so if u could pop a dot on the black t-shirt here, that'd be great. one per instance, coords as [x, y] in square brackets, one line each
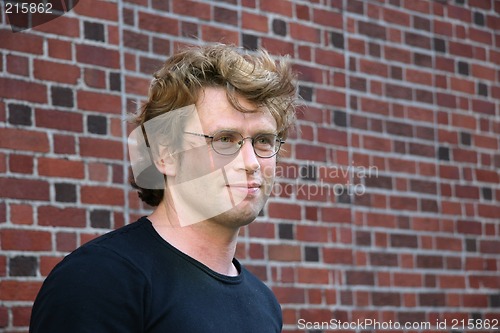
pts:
[132, 280]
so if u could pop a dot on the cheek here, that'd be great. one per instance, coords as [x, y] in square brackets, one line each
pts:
[268, 168]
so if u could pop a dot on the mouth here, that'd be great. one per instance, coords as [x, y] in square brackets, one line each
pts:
[250, 188]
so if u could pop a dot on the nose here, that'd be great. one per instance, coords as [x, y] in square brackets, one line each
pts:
[250, 159]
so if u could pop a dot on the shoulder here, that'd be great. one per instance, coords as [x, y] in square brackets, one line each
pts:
[112, 254]
[92, 281]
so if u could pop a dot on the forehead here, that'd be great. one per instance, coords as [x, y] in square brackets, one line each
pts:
[216, 112]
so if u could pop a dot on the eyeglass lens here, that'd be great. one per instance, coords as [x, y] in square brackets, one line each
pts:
[229, 142]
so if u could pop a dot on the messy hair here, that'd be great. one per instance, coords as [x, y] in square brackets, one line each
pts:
[268, 84]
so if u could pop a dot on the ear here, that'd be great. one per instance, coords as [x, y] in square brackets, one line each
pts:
[166, 163]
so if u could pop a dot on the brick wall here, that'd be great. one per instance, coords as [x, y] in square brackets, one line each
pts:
[388, 203]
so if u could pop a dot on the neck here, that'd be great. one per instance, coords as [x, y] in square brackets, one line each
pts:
[211, 244]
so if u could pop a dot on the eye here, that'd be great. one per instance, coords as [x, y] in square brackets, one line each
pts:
[226, 137]
[265, 140]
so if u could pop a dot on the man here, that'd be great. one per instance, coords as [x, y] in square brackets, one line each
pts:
[205, 156]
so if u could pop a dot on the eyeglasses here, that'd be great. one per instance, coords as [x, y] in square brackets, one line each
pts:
[230, 142]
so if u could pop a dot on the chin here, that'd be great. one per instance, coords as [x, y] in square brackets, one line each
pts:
[241, 215]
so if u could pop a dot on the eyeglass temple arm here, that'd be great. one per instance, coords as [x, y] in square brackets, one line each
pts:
[198, 134]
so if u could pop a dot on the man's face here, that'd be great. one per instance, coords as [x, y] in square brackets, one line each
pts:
[232, 189]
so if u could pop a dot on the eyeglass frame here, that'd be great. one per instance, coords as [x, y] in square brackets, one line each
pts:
[241, 142]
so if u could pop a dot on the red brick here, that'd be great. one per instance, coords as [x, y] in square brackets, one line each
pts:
[356, 45]
[99, 102]
[18, 65]
[192, 9]
[25, 240]
[373, 68]
[23, 90]
[483, 72]
[27, 43]
[421, 6]
[4, 316]
[47, 264]
[310, 153]
[312, 276]
[483, 107]
[360, 278]
[309, 34]
[54, 167]
[113, 35]
[3, 212]
[396, 17]
[60, 49]
[136, 85]
[98, 171]
[339, 256]
[488, 176]
[29, 189]
[21, 316]
[277, 46]
[101, 148]
[407, 280]
[444, 28]
[490, 246]
[99, 56]
[338, 215]
[19, 290]
[374, 143]
[56, 72]
[283, 7]
[330, 58]
[98, 9]
[475, 300]
[95, 78]
[64, 144]
[330, 97]
[101, 195]
[21, 164]
[327, 18]
[68, 121]
[63, 25]
[284, 252]
[215, 34]
[284, 211]
[156, 23]
[397, 54]
[289, 295]
[331, 136]
[309, 74]
[469, 227]
[403, 203]
[261, 230]
[487, 142]
[484, 281]
[311, 233]
[61, 217]
[254, 22]
[21, 214]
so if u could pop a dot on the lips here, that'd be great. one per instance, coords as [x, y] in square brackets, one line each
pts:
[250, 189]
[246, 185]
